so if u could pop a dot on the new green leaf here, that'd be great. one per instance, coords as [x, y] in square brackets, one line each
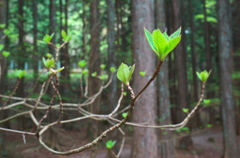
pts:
[110, 144]
[204, 75]
[20, 73]
[124, 73]
[49, 63]
[5, 54]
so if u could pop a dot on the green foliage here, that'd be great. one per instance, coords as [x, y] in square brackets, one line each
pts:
[209, 19]
[49, 63]
[124, 115]
[94, 74]
[102, 66]
[5, 54]
[66, 38]
[46, 39]
[82, 63]
[6, 31]
[207, 101]
[85, 72]
[185, 110]
[124, 73]
[20, 73]
[103, 77]
[204, 75]
[161, 43]
[142, 73]
[2, 26]
[1, 47]
[112, 69]
[110, 144]
[48, 55]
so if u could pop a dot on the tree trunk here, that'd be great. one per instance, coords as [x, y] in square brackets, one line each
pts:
[144, 139]
[112, 91]
[52, 25]
[231, 148]
[64, 57]
[21, 48]
[94, 64]
[166, 144]
[35, 46]
[180, 66]
[196, 122]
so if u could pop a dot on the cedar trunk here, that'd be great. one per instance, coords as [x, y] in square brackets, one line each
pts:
[231, 148]
[144, 139]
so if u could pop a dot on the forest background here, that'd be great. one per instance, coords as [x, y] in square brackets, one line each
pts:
[106, 33]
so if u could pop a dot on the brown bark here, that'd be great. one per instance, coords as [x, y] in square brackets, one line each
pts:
[111, 36]
[144, 139]
[35, 46]
[64, 57]
[166, 144]
[94, 64]
[21, 48]
[196, 122]
[52, 24]
[180, 65]
[231, 148]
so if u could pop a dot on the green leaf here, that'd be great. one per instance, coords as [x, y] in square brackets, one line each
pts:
[124, 93]
[142, 73]
[48, 55]
[209, 125]
[150, 41]
[103, 77]
[85, 72]
[166, 36]
[60, 69]
[6, 31]
[123, 73]
[160, 42]
[171, 45]
[20, 73]
[2, 26]
[64, 35]
[110, 144]
[1, 47]
[102, 66]
[131, 72]
[48, 38]
[212, 19]
[5, 54]
[204, 75]
[185, 110]
[82, 63]
[68, 38]
[176, 33]
[124, 115]
[112, 69]
[94, 74]
[42, 42]
[49, 63]
[207, 101]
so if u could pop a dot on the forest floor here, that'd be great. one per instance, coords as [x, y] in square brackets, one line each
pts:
[206, 144]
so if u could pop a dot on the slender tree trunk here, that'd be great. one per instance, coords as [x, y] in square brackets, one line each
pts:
[35, 46]
[231, 148]
[112, 92]
[166, 144]
[65, 61]
[144, 139]
[196, 122]
[52, 24]
[94, 64]
[208, 59]
[21, 48]
[180, 65]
